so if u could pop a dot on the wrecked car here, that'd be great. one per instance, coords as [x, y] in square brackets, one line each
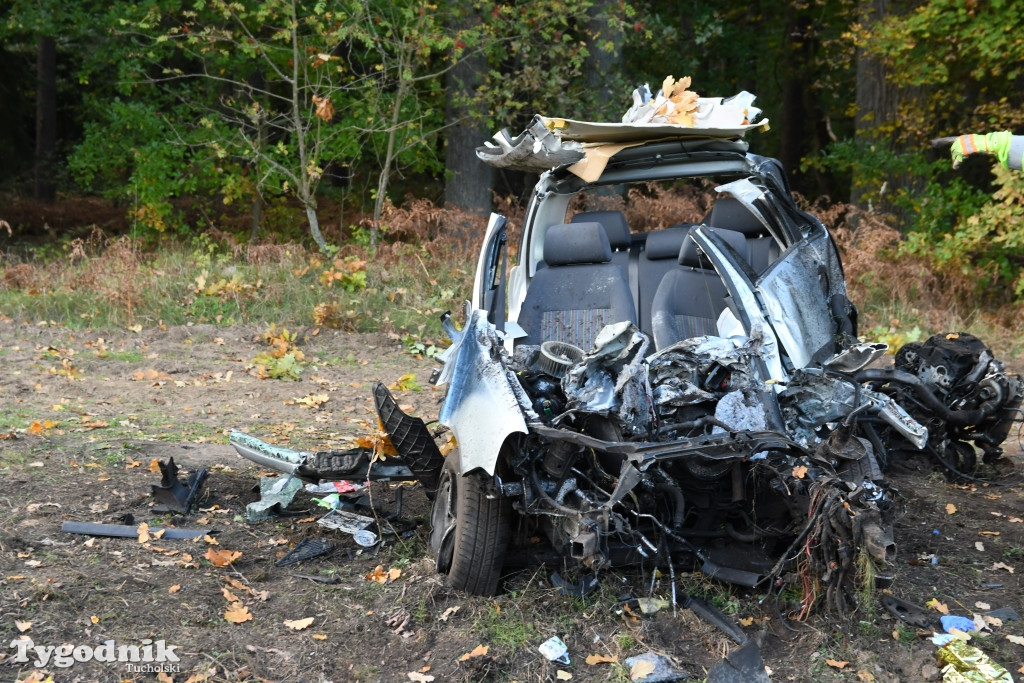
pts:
[689, 396]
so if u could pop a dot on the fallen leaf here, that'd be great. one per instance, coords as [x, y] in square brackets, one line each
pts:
[950, 508]
[129, 463]
[595, 659]
[418, 677]
[311, 400]
[1002, 565]
[994, 622]
[1016, 640]
[746, 621]
[937, 606]
[23, 625]
[221, 558]
[866, 676]
[836, 664]
[210, 540]
[979, 546]
[982, 605]
[174, 589]
[478, 651]
[298, 624]
[319, 636]
[799, 471]
[164, 677]
[237, 613]
[563, 675]
[154, 466]
[640, 670]
[989, 533]
[448, 612]
[380, 576]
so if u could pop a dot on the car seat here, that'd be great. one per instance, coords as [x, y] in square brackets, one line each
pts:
[579, 292]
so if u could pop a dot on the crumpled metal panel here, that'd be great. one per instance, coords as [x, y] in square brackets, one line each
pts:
[612, 379]
[480, 407]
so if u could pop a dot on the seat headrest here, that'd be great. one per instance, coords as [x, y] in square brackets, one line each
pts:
[664, 244]
[567, 244]
[690, 254]
[729, 213]
[614, 224]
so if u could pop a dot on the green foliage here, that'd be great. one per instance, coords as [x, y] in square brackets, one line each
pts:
[418, 347]
[285, 366]
[987, 245]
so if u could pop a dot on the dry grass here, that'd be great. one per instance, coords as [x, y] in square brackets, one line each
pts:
[426, 262]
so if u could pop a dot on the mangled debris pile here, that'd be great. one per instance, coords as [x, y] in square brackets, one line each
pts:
[688, 454]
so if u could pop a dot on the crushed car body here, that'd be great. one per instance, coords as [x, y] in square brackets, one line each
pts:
[693, 395]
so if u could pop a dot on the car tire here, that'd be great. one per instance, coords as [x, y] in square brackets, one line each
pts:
[470, 531]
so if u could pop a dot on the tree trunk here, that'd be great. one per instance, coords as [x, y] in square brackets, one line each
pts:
[385, 172]
[257, 217]
[314, 228]
[45, 189]
[468, 181]
[601, 62]
[878, 110]
[797, 119]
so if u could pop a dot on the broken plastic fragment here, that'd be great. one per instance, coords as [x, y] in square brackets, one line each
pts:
[555, 650]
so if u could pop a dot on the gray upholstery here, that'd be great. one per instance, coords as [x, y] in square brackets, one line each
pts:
[579, 243]
[660, 255]
[690, 298]
[614, 224]
[579, 292]
[729, 213]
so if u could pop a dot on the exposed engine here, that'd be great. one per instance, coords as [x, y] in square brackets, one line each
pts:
[686, 454]
[952, 385]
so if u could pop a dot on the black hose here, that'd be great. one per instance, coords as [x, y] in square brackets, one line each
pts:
[957, 418]
[680, 502]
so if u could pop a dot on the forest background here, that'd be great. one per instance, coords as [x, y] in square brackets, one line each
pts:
[160, 156]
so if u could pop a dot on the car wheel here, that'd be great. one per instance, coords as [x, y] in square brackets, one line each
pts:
[469, 531]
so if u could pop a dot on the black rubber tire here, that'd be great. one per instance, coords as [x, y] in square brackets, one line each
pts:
[480, 536]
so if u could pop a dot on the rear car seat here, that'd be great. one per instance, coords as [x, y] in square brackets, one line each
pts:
[625, 248]
[579, 292]
[729, 213]
[660, 256]
[690, 299]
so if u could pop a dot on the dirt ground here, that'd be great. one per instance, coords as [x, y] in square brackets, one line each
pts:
[84, 415]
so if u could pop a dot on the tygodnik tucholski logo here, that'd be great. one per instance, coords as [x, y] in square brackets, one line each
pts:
[148, 657]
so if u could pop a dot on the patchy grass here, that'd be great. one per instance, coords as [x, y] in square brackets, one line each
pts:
[106, 284]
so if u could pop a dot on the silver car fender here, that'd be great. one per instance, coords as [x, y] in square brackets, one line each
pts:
[481, 407]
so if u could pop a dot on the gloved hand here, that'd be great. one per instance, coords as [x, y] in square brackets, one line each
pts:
[992, 143]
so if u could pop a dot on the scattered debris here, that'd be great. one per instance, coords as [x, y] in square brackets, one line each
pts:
[587, 585]
[171, 494]
[276, 493]
[346, 521]
[967, 664]
[652, 668]
[743, 665]
[127, 531]
[332, 579]
[908, 612]
[554, 650]
[307, 549]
